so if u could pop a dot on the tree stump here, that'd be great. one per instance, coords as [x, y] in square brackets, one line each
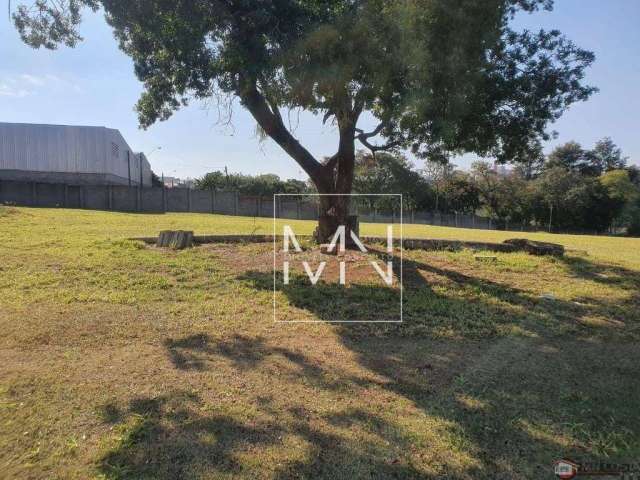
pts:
[176, 239]
[537, 248]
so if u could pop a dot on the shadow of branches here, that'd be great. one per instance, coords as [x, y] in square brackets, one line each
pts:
[402, 403]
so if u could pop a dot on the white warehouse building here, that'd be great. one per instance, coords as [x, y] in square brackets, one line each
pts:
[74, 155]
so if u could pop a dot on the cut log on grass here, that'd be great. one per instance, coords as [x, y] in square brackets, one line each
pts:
[485, 258]
[176, 239]
[537, 248]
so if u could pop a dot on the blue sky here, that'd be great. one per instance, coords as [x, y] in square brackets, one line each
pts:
[94, 84]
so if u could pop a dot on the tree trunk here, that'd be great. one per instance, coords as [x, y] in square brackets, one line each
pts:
[335, 187]
[333, 179]
[335, 201]
[334, 212]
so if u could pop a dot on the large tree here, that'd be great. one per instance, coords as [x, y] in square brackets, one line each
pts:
[439, 76]
[387, 173]
[506, 197]
[571, 156]
[607, 156]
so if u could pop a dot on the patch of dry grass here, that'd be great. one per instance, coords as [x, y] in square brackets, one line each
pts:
[120, 361]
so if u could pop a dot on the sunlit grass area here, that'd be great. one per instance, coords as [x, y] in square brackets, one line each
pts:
[119, 360]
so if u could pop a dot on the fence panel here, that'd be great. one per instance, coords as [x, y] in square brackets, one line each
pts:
[152, 200]
[73, 197]
[49, 195]
[248, 205]
[201, 201]
[95, 197]
[287, 208]
[133, 199]
[123, 199]
[266, 207]
[224, 203]
[178, 200]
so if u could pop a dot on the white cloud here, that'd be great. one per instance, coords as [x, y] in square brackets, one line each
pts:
[62, 82]
[7, 90]
[32, 80]
[24, 84]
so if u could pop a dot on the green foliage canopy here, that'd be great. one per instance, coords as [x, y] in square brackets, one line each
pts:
[260, 185]
[440, 76]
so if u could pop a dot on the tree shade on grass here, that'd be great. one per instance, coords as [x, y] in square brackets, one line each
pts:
[119, 361]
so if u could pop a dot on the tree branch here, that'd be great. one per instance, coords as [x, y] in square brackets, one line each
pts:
[268, 117]
[375, 132]
[363, 138]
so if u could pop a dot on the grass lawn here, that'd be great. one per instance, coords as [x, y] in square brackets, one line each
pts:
[122, 361]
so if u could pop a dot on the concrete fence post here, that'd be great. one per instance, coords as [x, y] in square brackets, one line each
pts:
[212, 194]
[110, 197]
[164, 198]
[298, 208]
[188, 199]
[236, 200]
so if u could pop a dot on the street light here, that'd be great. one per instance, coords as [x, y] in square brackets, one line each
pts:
[149, 154]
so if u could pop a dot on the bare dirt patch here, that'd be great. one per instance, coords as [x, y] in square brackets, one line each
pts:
[259, 257]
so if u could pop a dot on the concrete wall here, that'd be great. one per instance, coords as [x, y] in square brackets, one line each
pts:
[94, 197]
[201, 201]
[134, 199]
[225, 203]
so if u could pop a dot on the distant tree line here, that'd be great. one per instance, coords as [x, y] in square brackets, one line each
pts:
[261, 185]
[572, 189]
